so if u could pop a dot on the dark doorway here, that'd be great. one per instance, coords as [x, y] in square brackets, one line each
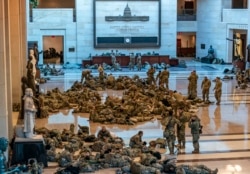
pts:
[53, 49]
[239, 4]
[189, 7]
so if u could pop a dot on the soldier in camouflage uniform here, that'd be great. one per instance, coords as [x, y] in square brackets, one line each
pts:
[194, 125]
[104, 134]
[186, 169]
[113, 60]
[159, 78]
[132, 61]
[150, 74]
[192, 86]
[85, 75]
[136, 141]
[139, 64]
[205, 86]
[101, 73]
[183, 118]
[165, 77]
[217, 90]
[169, 132]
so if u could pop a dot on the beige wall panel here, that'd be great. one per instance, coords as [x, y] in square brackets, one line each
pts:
[3, 100]
[3, 126]
[2, 73]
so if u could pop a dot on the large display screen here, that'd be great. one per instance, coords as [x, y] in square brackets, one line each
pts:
[127, 23]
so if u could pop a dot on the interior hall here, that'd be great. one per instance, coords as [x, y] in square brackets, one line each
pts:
[74, 38]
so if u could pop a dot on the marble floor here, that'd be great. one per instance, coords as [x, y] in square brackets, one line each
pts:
[224, 143]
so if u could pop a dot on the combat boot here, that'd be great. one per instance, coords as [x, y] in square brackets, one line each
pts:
[183, 145]
[171, 151]
[196, 151]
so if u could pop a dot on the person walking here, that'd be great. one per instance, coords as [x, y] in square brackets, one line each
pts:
[217, 90]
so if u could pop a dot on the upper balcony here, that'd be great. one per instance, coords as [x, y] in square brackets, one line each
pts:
[52, 15]
[186, 15]
[237, 16]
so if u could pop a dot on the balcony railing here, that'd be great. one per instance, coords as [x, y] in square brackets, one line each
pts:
[186, 15]
[52, 15]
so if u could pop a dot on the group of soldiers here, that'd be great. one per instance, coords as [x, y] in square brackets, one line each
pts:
[175, 118]
[134, 61]
[205, 86]
[177, 125]
[150, 158]
[162, 77]
[163, 80]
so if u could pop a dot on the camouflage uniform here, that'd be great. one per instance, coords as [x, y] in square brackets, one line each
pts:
[179, 101]
[217, 90]
[169, 132]
[194, 125]
[183, 118]
[205, 86]
[192, 86]
[139, 64]
[159, 78]
[132, 62]
[187, 169]
[150, 74]
[113, 59]
[85, 75]
[136, 141]
[104, 134]
[165, 77]
[101, 73]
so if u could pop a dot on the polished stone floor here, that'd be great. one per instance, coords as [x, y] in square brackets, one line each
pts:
[224, 143]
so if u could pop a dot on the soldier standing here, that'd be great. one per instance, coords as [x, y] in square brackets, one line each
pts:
[159, 78]
[217, 90]
[165, 77]
[150, 75]
[169, 132]
[139, 65]
[192, 86]
[194, 125]
[205, 86]
[113, 59]
[132, 61]
[101, 73]
[183, 118]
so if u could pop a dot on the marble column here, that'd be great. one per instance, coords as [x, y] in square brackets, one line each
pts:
[248, 35]
[18, 45]
[12, 59]
[4, 74]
